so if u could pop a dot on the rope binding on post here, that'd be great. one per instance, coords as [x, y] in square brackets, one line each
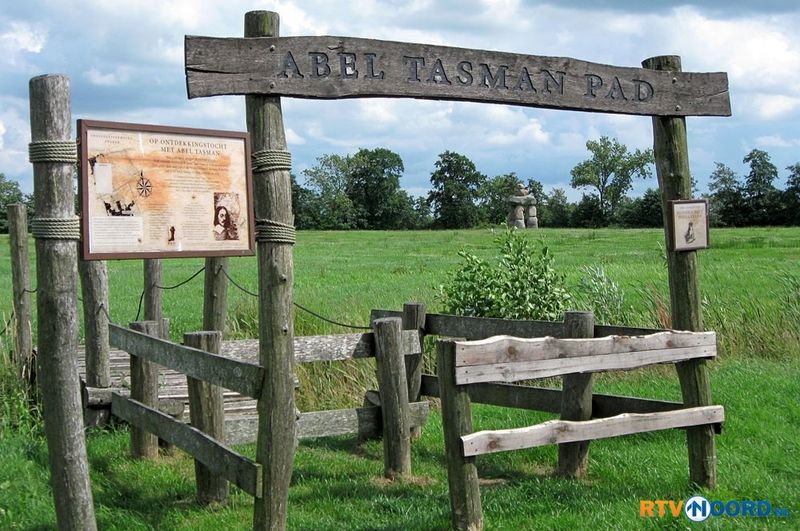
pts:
[56, 228]
[268, 230]
[65, 151]
[271, 159]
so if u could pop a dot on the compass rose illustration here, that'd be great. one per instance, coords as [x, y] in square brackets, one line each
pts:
[143, 185]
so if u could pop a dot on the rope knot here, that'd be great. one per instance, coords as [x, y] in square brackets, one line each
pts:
[56, 228]
[271, 159]
[268, 230]
[53, 151]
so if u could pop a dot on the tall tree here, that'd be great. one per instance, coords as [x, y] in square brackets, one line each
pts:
[328, 180]
[609, 172]
[10, 193]
[557, 212]
[493, 194]
[791, 196]
[373, 185]
[726, 197]
[455, 184]
[759, 193]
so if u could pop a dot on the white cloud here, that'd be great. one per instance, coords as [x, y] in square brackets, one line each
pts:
[119, 76]
[777, 141]
[21, 38]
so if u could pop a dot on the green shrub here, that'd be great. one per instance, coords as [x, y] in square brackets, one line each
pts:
[604, 297]
[522, 284]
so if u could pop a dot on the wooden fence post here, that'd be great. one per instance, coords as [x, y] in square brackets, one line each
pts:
[152, 293]
[272, 194]
[57, 285]
[144, 389]
[414, 319]
[462, 474]
[394, 397]
[207, 414]
[94, 288]
[674, 179]
[215, 294]
[21, 285]
[576, 399]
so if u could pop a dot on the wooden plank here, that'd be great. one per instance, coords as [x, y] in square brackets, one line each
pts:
[94, 289]
[506, 349]
[244, 378]
[563, 431]
[473, 328]
[330, 67]
[216, 456]
[347, 346]
[549, 400]
[529, 370]
[144, 389]
[602, 330]
[414, 320]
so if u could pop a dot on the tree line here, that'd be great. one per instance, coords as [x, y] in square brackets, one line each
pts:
[362, 191]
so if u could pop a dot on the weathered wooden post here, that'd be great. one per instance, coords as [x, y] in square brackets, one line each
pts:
[21, 285]
[674, 179]
[272, 193]
[462, 474]
[576, 399]
[152, 293]
[394, 397]
[215, 293]
[144, 389]
[206, 412]
[94, 288]
[56, 228]
[414, 319]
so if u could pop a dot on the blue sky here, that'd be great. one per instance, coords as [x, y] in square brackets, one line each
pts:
[125, 62]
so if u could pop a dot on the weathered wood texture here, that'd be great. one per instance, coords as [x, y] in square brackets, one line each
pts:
[94, 288]
[144, 389]
[57, 284]
[549, 400]
[573, 356]
[207, 414]
[20, 286]
[563, 431]
[576, 399]
[671, 151]
[484, 327]
[394, 397]
[217, 457]
[153, 299]
[462, 474]
[364, 422]
[215, 294]
[332, 67]
[272, 194]
[414, 320]
[229, 373]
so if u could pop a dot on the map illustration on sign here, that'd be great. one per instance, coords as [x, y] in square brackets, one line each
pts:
[150, 191]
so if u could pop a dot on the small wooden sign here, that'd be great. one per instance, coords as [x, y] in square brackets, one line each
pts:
[150, 191]
[349, 67]
[689, 219]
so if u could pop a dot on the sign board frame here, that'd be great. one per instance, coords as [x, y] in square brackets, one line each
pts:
[209, 168]
[689, 227]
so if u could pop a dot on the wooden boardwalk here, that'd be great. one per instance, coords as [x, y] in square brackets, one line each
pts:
[241, 416]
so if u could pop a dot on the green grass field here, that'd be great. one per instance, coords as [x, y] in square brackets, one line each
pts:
[751, 296]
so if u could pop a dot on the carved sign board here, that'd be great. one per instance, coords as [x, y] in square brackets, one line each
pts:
[155, 192]
[689, 219]
[347, 67]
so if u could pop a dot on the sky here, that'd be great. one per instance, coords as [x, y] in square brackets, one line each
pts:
[125, 62]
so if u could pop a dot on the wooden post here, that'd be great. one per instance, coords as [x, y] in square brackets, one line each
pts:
[576, 399]
[414, 319]
[57, 284]
[394, 397]
[144, 389]
[273, 201]
[94, 288]
[21, 285]
[674, 179]
[462, 474]
[152, 293]
[207, 414]
[215, 294]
